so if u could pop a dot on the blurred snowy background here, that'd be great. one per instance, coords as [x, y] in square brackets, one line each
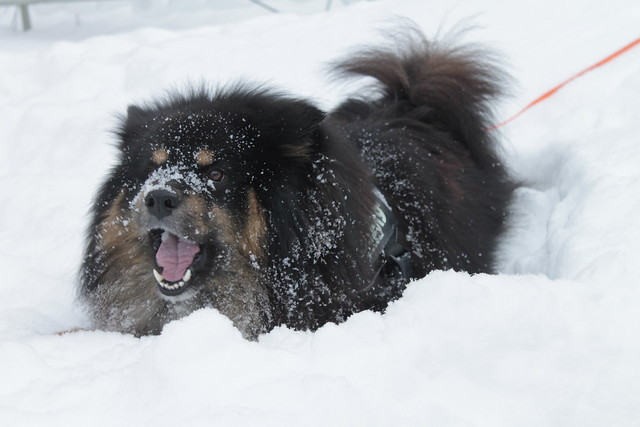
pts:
[553, 340]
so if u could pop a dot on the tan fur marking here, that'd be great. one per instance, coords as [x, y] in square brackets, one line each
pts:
[255, 232]
[127, 299]
[225, 224]
[159, 156]
[119, 236]
[205, 219]
[196, 210]
[112, 229]
[205, 158]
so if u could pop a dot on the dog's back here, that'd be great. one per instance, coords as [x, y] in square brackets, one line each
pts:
[425, 139]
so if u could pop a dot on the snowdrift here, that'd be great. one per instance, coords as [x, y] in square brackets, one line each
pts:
[551, 341]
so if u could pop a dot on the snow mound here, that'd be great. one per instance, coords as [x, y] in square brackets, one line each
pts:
[552, 340]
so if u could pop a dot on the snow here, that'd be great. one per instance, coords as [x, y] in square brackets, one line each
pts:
[553, 340]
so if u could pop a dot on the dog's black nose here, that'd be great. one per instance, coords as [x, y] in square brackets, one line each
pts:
[161, 203]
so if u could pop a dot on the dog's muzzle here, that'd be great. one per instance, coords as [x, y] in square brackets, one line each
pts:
[177, 257]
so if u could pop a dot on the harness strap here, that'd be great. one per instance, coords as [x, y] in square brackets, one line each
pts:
[399, 255]
[389, 243]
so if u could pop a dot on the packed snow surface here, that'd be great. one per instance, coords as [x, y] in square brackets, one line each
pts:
[553, 340]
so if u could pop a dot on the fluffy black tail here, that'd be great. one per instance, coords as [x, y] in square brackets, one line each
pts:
[440, 84]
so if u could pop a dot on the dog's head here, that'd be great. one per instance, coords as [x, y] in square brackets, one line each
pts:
[188, 212]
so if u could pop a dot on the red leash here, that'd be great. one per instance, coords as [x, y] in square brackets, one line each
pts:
[558, 87]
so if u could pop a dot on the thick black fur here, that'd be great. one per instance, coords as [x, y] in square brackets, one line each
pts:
[419, 137]
[426, 140]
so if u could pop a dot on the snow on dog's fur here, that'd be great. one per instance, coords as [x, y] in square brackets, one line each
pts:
[264, 207]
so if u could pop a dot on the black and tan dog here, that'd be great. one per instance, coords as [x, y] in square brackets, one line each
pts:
[273, 212]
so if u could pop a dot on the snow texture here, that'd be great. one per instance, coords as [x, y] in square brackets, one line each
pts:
[553, 340]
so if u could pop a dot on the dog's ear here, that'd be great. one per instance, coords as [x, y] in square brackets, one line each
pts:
[132, 124]
[133, 111]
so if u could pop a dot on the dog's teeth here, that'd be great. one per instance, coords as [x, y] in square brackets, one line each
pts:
[187, 276]
[158, 277]
[171, 286]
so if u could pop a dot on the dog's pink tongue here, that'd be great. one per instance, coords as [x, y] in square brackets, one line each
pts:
[175, 255]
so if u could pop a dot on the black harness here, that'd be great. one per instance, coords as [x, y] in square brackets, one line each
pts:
[387, 234]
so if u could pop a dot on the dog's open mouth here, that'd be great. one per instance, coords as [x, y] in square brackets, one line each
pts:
[177, 258]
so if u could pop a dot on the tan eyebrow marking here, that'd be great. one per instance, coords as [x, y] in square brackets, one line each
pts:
[159, 156]
[205, 157]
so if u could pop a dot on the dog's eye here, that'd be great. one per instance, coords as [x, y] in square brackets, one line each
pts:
[148, 172]
[215, 175]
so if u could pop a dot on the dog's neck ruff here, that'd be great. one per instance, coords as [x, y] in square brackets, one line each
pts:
[387, 239]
